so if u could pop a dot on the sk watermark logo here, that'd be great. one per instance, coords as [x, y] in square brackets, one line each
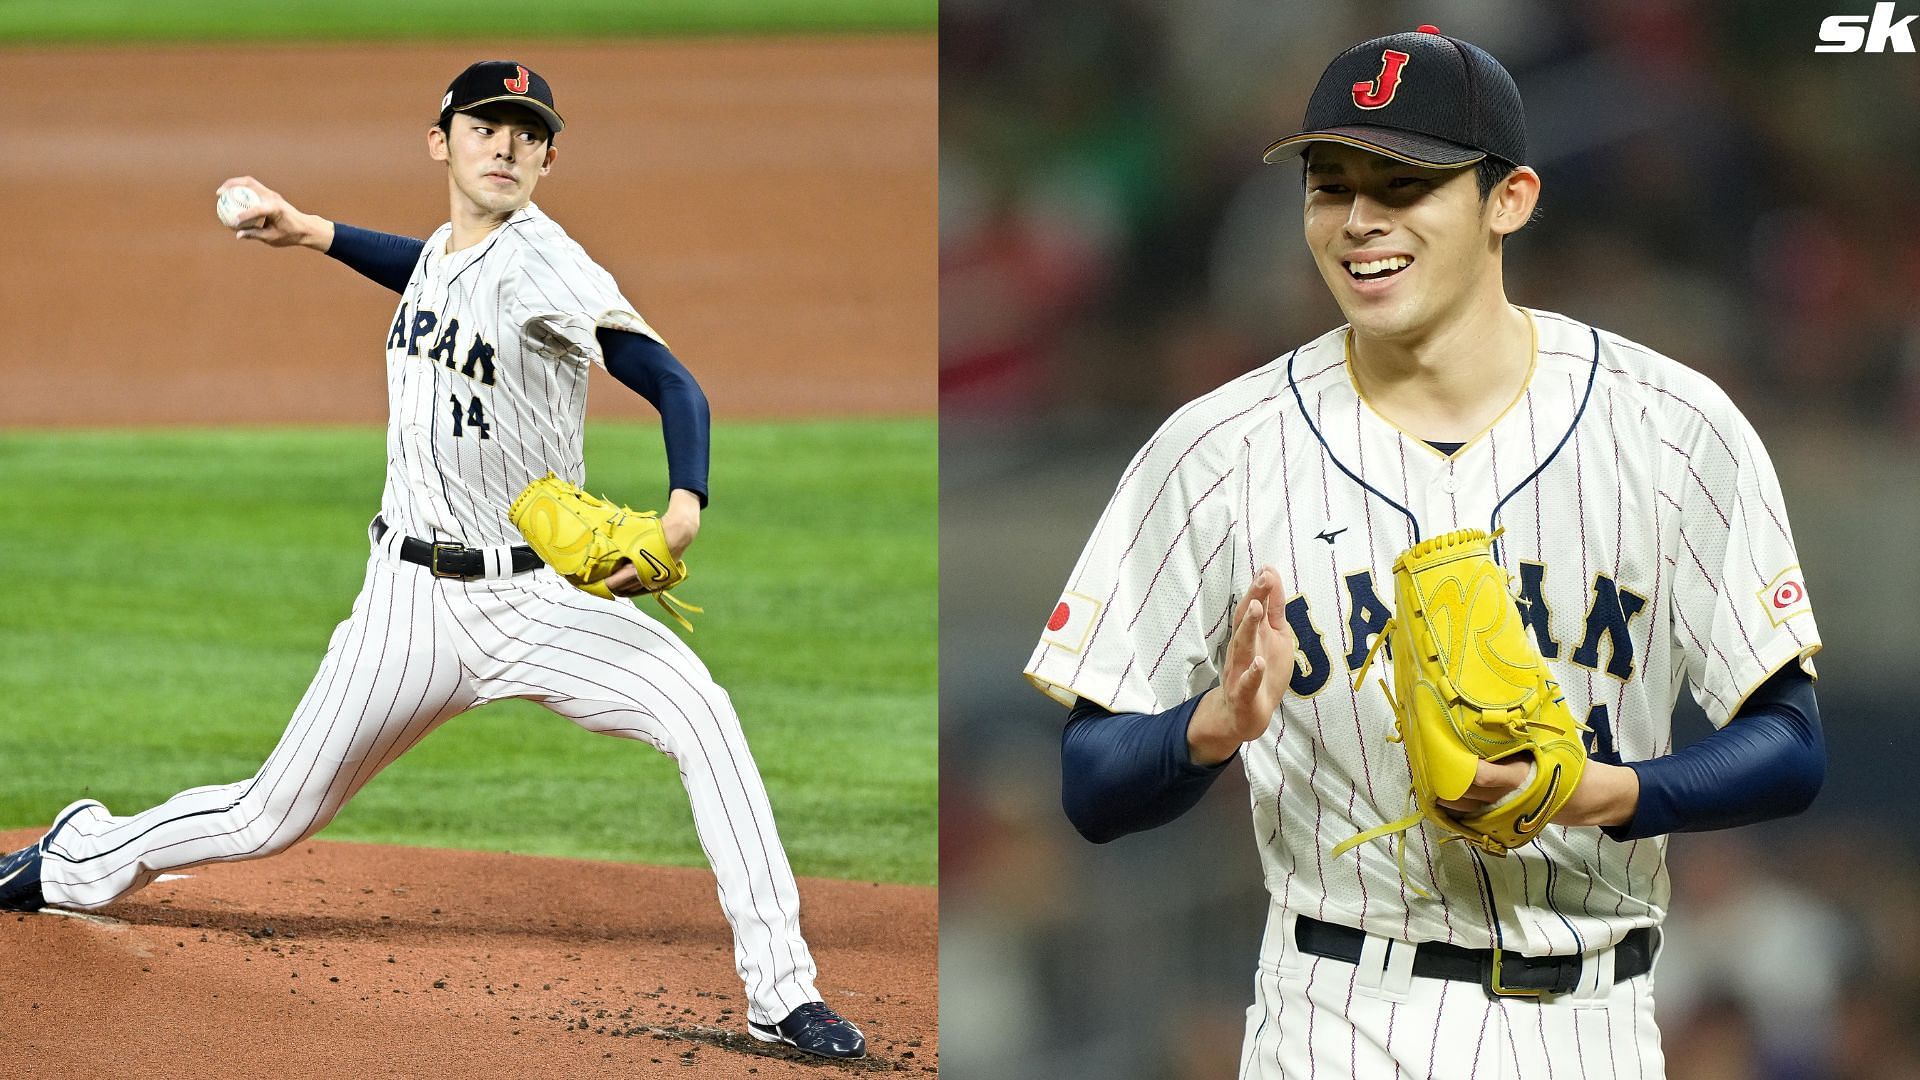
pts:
[1878, 32]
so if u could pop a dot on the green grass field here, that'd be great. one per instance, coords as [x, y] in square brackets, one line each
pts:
[168, 595]
[41, 21]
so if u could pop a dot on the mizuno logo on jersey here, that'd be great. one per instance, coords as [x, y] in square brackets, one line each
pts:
[410, 331]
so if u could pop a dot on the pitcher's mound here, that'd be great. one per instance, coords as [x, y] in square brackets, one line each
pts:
[337, 960]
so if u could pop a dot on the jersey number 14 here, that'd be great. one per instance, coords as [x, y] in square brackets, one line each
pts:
[472, 416]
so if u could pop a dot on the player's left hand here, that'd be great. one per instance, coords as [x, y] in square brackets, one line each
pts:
[625, 581]
[1606, 795]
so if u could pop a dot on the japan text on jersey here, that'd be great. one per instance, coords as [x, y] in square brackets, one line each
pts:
[487, 361]
[1646, 540]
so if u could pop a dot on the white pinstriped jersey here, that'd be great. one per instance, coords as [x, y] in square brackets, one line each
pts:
[1650, 547]
[487, 362]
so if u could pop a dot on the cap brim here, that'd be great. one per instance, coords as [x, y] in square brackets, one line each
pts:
[1400, 145]
[538, 108]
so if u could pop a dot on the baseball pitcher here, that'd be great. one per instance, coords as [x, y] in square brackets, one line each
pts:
[491, 575]
[1436, 579]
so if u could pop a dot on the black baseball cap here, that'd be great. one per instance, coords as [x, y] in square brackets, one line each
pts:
[1421, 97]
[500, 80]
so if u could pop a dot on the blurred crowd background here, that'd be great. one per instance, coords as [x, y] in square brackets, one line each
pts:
[1111, 247]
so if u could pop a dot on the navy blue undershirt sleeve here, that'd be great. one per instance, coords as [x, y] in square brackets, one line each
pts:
[383, 257]
[1126, 772]
[642, 364]
[1767, 762]
[647, 368]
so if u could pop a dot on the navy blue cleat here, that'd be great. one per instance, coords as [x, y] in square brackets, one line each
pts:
[816, 1029]
[20, 871]
[20, 880]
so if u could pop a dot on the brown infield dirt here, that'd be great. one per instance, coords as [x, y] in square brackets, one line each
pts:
[768, 205]
[337, 959]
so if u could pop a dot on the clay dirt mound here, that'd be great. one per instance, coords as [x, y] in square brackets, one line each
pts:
[338, 959]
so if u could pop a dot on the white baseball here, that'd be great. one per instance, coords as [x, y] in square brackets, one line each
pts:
[236, 205]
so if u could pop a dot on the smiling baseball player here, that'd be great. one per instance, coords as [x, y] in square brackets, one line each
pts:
[500, 318]
[1274, 531]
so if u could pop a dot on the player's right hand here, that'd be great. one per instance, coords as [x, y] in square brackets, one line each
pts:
[1259, 666]
[276, 222]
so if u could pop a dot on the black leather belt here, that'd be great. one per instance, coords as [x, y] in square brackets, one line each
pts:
[1503, 974]
[454, 560]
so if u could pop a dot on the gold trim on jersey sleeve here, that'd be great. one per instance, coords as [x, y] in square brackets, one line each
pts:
[1804, 656]
[1062, 693]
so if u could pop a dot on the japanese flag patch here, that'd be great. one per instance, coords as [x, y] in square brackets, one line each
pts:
[1785, 596]
[1072, 620]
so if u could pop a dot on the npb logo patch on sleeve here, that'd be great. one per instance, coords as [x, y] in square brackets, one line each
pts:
[1072, 620]
[1785, 596]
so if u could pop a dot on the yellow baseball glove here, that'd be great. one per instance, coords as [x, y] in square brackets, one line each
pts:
[586, 539]
[1472, 687]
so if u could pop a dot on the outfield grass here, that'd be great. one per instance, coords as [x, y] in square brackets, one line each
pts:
[39, 21]
[168, 595]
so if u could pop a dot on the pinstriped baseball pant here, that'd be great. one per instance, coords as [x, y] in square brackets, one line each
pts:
[1314, 1017]
[417, 651]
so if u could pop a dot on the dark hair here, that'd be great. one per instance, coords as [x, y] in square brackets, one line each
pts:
[445, 123]
[1490, 172]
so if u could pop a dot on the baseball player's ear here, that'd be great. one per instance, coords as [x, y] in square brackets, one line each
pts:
[552, 152]
[436, 144]
[1512, 202]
